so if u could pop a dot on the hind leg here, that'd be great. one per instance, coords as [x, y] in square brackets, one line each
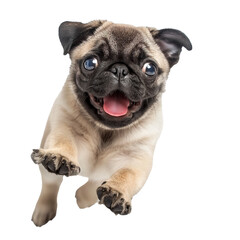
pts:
[86, 195]
[46, 206]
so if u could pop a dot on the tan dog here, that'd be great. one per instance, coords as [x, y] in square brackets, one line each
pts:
[106, 121]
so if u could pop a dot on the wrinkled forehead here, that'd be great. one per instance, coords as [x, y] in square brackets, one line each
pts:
[123, 41]
[124, 38]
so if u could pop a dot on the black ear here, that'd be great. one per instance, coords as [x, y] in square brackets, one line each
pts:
[171, 42]
[72, 34]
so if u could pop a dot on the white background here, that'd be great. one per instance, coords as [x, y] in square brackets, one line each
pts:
[193, 190]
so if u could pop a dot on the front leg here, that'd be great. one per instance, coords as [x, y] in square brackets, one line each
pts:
[117, 192]
[59, 152]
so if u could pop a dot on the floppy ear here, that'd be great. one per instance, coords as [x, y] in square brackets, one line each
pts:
[171, 42]
[72, 34]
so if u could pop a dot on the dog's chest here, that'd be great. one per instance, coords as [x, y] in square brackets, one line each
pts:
[91, 149]
[106, 138]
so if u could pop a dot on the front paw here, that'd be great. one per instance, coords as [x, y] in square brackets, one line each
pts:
[55, 163]
[113, 200]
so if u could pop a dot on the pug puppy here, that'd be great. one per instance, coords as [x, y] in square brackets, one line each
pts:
[105, 123]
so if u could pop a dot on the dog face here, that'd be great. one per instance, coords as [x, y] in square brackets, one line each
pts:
[119, 71]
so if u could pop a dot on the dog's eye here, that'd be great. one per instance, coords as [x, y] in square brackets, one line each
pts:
[149, 69]
[90, 63]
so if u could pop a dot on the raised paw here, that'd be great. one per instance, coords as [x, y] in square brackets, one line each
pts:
[55, 163]
[113, 200]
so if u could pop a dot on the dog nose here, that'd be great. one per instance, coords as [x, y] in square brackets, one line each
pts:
[120, 70]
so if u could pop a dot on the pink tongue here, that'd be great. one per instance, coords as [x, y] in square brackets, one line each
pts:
[116, 105]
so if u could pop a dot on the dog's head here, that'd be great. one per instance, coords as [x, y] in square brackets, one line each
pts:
[119, 71]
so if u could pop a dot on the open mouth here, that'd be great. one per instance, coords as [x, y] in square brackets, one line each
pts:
[116, 105]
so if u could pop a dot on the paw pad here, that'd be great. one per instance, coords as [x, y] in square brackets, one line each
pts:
[113, 200]
[55, 163]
